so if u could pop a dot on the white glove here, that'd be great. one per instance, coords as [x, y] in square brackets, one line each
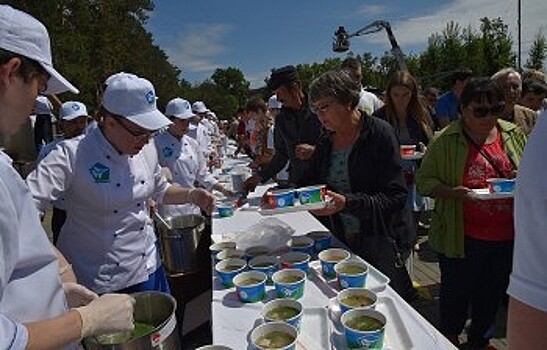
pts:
[109, 313]
[78, 295]
[202, 198]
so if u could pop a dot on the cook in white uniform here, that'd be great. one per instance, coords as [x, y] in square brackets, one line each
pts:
[182, 156]
[33, 305]
[198, 130]
[107, 177]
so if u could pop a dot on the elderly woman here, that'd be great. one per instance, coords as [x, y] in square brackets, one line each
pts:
[473, 238]
[358, 158]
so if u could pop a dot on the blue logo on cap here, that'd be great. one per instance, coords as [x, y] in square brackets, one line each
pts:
[100, 173]
[186, 105]
[150, 97]
[167, 152]
[75, 107]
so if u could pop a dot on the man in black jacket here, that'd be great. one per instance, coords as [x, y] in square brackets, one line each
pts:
[296, 130]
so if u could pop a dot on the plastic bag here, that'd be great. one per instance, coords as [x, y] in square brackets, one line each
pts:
[270, 232]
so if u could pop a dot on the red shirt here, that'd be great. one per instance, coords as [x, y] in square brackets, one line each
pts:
[490, 220]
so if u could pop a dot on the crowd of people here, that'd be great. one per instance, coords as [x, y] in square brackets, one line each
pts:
[106, 174]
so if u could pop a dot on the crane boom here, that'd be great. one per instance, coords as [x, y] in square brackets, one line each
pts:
[341, 39]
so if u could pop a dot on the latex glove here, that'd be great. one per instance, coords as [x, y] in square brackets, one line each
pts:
[109, 313]
[203, 199]
[78, 295]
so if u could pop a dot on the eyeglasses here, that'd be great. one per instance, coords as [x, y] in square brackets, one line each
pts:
[317, 109]
[483, 111]
[139, 136]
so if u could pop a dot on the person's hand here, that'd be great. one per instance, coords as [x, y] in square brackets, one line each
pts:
[251, 183]
[463, 193]
[227, 192]
[109, 313]
[337, 204]
[203, 199]
[254, 165]
[422, 147]
[78, 295]
[304, 151]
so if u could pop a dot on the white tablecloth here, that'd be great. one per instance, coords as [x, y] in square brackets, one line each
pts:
[232, 321]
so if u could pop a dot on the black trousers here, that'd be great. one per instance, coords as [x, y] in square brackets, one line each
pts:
[477, 283]
[43, 130]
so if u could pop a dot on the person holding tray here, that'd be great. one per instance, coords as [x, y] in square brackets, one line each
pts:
[358, 158]
[473, 238]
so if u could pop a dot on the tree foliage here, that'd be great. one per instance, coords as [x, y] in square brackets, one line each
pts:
[538, 53]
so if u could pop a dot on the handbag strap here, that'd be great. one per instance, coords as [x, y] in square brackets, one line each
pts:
[378, 219]
[486, 156]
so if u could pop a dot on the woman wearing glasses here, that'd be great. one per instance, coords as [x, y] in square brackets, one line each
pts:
[473, 238]
[358, 158]
[106, 177]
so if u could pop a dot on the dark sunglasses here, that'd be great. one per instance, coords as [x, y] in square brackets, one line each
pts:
[483, 111]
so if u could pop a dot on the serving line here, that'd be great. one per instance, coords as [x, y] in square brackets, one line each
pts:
[233, 321]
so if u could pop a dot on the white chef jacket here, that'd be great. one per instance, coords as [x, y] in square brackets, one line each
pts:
[187, 166]
[30, 288]
[44, 151]
[199, 133]
[108, 235]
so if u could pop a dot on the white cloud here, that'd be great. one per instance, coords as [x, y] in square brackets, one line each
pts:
[197, 46]
[413, 32]
[370, 10]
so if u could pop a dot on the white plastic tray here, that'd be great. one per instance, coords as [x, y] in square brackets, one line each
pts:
[415, 156]
[253, 205]
[315, 329]
[484, 194]
[376, 280]
[396, 335]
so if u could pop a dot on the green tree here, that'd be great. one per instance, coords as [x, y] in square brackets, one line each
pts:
[233, 82]
[537, 53]
[497, 44]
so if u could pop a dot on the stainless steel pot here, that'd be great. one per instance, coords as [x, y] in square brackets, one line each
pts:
[152, 308]
[179, 242]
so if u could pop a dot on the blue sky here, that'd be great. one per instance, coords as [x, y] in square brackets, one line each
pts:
[255, 36]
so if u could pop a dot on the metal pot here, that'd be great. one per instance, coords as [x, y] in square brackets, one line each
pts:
[179, 242]
[152, 308]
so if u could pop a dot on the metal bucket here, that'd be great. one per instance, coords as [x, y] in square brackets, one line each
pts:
[180, 241]
[152, 308]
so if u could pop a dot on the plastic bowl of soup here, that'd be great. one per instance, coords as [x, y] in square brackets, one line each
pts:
[296, 260]
[408, 150]
[499, 185]
[364, 329]
[225, 209]
[274, 335]
[250, 286]
[289, 283]
[280, 199]
[356, 298]
[351, 273]
[229, 253]
[331, 257]
[283, 310]
[302, 244]
[321, 240]
[311, 194]
[265, 263]
[227, 269]
[256, 250]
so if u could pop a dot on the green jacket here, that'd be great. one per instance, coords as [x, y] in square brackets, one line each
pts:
[444, 163]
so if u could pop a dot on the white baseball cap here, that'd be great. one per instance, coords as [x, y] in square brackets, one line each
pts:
[179, 108]
[42, 105]
[273, 102]
[199, 107]
[22, 34]
[71, 110]
[134, 98]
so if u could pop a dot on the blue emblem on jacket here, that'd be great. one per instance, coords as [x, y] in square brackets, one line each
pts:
[167, 152]
[100, 173]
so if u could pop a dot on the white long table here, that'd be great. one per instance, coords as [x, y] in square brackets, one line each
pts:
[233, 321]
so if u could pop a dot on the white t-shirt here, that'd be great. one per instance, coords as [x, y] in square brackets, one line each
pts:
[528, 282]
[368, 102]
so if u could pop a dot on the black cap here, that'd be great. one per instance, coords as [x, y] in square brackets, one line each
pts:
[282, 76]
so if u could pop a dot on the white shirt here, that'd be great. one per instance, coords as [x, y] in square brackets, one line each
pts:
[528, 282]
[369, 102]
[108, 235]
[186, 164]
[44, 151]
[199, 133]
[30, 289]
